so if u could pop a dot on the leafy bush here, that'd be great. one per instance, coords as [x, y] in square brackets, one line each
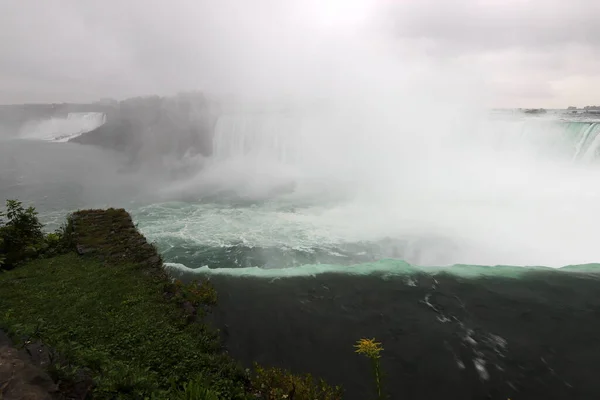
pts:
[58, 242]
[21, 236]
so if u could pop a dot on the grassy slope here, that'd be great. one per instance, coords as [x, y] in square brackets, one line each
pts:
[112, 314]
[133, 341]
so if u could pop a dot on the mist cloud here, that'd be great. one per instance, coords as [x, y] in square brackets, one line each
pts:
[521, 53]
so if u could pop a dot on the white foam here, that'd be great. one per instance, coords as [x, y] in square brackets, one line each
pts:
[384, 268]
[391, 267]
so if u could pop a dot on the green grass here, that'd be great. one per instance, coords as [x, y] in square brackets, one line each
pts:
[114, 322]
[114, 318]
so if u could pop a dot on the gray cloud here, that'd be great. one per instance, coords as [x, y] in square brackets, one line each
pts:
[524, 53]
[471, 25]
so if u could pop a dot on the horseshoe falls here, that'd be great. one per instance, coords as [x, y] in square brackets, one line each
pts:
[280, 191]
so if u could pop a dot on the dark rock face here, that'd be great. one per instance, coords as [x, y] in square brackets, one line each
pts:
[148, 128]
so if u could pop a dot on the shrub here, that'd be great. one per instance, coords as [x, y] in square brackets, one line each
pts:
[275, 383]
[21, 236]
[199, 294]
[60, 241]
[195, 390]
[198, 389]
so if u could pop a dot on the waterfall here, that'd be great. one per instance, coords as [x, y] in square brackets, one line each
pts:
[344, 147]
[273, 138]
[590, 143]
[62, 129]
[580, 140]
[577, 141]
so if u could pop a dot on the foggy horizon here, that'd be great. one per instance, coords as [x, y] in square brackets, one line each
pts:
[510, 54]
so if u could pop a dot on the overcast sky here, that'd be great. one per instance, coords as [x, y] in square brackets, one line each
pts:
[514, 53]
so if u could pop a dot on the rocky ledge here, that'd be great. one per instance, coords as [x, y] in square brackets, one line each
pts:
[112, 236]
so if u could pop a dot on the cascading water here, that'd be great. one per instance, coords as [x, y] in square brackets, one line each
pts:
[280, 137]
[58, 129]
[255, 136]
[576, 140]
[589, 145]
[553, 139]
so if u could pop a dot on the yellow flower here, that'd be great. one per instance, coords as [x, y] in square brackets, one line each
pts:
[369, 347]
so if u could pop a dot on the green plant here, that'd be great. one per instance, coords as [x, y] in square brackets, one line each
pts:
[115, 323]
[65, 233]
[275, 383]
[60, 372]
[196, 389]
[60, 241]
[371, 349]
[21, 236]
[199, 294]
